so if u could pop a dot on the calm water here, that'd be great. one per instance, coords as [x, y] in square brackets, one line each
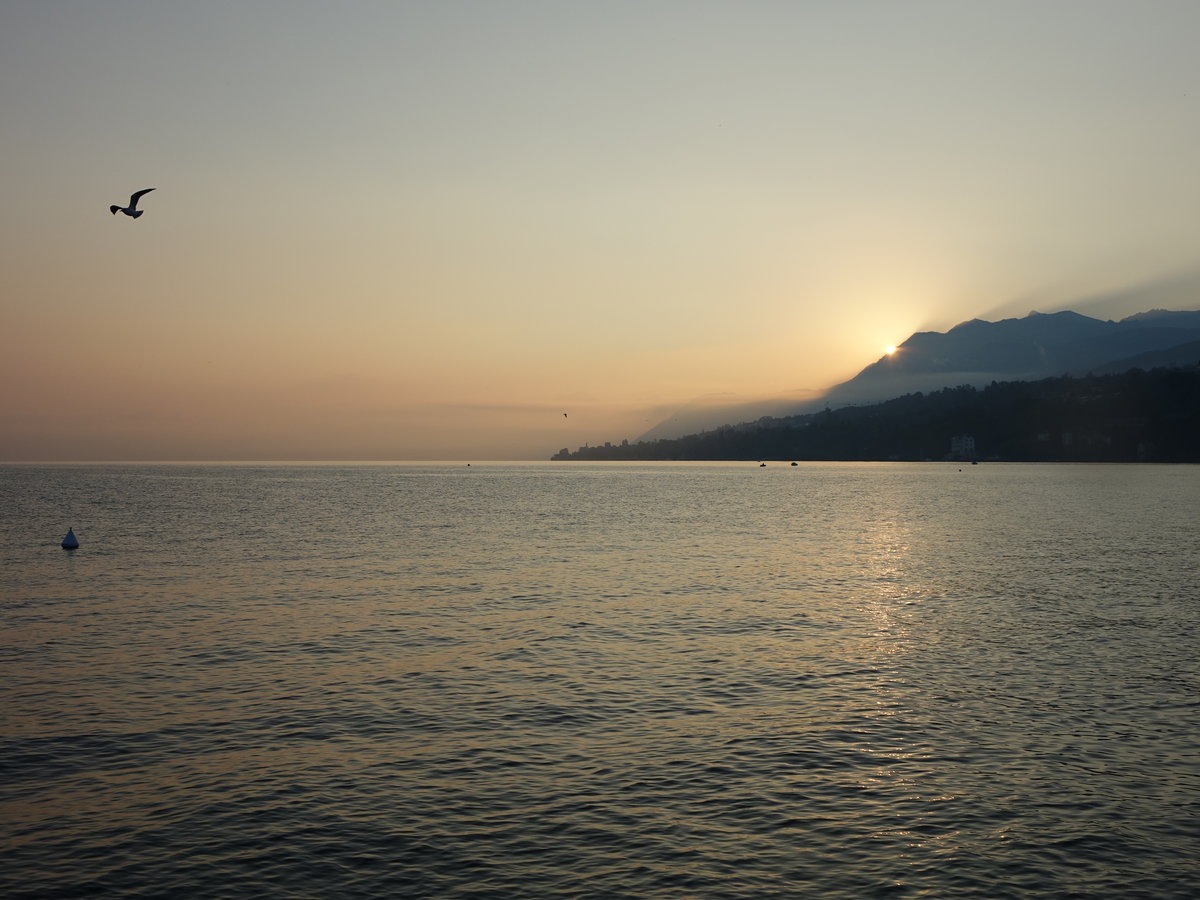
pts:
[692, 680]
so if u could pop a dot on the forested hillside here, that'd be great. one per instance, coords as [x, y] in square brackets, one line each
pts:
[1134, 416]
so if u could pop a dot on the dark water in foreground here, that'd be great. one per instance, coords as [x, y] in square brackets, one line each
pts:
[702, 680]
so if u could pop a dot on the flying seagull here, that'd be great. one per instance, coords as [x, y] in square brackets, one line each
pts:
[131, 209]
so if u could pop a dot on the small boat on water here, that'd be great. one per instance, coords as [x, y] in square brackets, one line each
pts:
[70, 542]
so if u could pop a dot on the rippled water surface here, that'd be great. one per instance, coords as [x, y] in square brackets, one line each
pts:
[669, 680]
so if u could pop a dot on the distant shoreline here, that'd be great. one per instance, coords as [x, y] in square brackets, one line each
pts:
[1136, 416]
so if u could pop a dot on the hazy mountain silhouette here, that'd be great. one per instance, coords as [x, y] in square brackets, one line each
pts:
[705, 414]
[1039, 345]
[1180, 355]
[1036, 346]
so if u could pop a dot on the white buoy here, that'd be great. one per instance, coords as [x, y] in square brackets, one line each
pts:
[70, 542]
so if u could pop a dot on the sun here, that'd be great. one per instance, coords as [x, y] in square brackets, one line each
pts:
[889, 349]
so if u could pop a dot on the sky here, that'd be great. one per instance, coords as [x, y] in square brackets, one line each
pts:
[400, 230]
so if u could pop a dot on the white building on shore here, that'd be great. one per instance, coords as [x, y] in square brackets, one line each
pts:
[962, 446]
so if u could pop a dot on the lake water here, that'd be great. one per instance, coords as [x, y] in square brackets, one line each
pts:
[657, 680]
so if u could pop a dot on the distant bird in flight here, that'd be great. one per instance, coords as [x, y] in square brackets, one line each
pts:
[131, 209]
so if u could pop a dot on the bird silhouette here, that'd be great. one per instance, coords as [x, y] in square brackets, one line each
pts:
[131, 209]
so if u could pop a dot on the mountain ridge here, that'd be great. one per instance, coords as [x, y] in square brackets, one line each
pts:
[976, 352]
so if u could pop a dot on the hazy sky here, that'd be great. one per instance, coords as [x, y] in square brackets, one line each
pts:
[397, 230]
